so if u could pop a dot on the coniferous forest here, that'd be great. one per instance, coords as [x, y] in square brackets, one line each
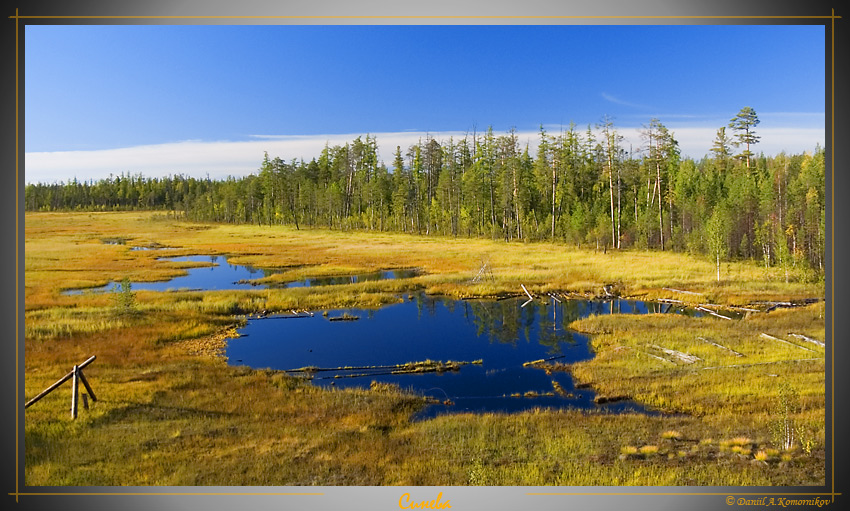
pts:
[582, 187]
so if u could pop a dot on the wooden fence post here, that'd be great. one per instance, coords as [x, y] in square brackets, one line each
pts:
[86, 385]
[76, 376]
[74, 391]
[62, 380]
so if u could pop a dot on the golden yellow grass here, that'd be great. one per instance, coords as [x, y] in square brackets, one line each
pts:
[172, 413]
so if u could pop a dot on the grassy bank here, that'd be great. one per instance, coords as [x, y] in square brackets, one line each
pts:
[170, 411]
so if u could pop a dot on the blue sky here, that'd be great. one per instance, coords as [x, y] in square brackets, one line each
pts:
[210, 99]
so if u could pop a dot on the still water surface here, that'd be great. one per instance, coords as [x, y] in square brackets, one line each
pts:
[221, 274]
[503, 334]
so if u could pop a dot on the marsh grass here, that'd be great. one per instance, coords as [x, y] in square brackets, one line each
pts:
[171, 412]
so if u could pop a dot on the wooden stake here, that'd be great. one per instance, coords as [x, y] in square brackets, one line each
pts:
[74, 391]
[87, 386]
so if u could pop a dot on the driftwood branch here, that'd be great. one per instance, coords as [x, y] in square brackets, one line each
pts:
[709, 311]
[807, 339]
[683, 357]
[721, 346]
[772, 338]
[530, 298]
[745, 309]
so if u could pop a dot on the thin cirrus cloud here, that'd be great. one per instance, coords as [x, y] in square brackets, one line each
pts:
[220, 159]
[617, 101]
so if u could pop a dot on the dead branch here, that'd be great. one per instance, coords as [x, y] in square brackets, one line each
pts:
[772, 338]
[721, 346]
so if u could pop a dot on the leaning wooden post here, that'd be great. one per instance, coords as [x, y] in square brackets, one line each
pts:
[86, 385]
[74, 391]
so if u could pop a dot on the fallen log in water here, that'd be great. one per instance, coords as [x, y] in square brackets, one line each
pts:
[426, 366]
[721, 346]
[560, 389]
[533, 393]
[772, 338]
[795, 303]
[610, 399]
[709, 311]
[344, 317]
[536, 362]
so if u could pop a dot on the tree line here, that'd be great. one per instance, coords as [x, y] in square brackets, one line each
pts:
[582, 187]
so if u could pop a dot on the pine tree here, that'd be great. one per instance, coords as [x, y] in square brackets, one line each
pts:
[744, 126]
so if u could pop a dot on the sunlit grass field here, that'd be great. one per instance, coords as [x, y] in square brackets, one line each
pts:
[171, 411]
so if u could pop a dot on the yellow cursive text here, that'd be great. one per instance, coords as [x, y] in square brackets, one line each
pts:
[404, 502]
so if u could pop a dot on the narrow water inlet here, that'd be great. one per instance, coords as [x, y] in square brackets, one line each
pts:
[219, 273]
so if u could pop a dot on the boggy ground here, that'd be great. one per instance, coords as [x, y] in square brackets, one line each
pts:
[170, 411]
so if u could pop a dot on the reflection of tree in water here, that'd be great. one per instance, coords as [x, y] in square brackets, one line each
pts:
[546, 323]
[427, 304]
[553, 326]
[506, 322]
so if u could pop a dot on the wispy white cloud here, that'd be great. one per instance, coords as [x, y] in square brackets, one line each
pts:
[219, 159]
[613, 99]
[216, 159]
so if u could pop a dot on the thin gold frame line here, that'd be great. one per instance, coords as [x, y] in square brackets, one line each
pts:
[164, 494]
[17, 263]
[832, 246]
[415, 17]
[727, 493]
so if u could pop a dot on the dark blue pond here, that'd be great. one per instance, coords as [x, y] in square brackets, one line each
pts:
[503, 334]
[221, 274]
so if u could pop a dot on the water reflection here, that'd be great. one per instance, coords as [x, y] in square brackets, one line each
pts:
[502, 334]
